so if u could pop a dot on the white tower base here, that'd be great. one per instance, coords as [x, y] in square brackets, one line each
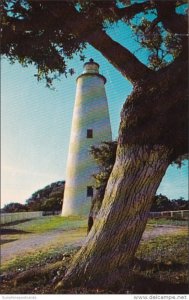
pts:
[90, 126]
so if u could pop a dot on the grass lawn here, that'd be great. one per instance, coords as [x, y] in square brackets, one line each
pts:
[167, 221]
[71, 229]
[160, 265]
[44, 255]
[41, 225]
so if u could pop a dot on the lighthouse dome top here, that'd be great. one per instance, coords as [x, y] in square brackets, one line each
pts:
[91, 67]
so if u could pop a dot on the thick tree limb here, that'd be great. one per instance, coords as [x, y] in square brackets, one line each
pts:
[119, 56]
[80, 26]
[18, 25]
[125, 62]
[171, 20]
[153, 25]
[130, 11]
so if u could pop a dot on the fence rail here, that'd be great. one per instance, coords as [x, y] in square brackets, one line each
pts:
[184, 214]
[52, 213]
[12, 217]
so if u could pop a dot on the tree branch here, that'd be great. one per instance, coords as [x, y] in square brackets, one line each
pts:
[153, 25]
[20, 25]
[172, 21]
[79, 25]
[130, 11]
[119, 56]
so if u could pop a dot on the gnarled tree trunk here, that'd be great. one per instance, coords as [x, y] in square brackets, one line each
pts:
[95, 206]
[139, 169]
[153, 133]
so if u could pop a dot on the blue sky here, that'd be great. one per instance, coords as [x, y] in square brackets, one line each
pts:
[36, 123]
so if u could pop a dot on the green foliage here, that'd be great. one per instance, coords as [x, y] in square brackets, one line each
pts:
[30, 35]
[104, 155]
[180, 204]
[181, 160]
[49, 198]
[14, 207]
[163, 46]
[162, 203]
[104, 12]
[48, 34]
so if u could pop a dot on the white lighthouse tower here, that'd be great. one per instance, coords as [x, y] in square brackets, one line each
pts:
[90, 126]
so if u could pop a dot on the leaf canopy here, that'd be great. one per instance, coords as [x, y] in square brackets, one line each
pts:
[48, 33]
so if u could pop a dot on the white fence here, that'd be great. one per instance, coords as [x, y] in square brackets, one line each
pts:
[183, 214]
[12, 217]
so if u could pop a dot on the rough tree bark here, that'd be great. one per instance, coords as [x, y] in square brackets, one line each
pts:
[95, 206]
[109, 249]
[150, 121]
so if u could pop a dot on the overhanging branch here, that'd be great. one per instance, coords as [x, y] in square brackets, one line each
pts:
[119, 56]
[130, 11]
[172, 21]
[56, 16]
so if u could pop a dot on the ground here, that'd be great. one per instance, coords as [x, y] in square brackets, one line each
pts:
[44, 233]
[35, 255]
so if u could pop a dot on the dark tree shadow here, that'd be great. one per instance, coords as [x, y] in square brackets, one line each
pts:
[15, 222]
[144, 285]
[144, 265]
[7, 241]
[4, 231]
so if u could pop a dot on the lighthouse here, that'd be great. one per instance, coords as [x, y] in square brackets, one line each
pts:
[90, 127]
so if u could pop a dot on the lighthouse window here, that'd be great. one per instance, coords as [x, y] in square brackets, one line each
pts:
[89, 191]
[89, 133]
